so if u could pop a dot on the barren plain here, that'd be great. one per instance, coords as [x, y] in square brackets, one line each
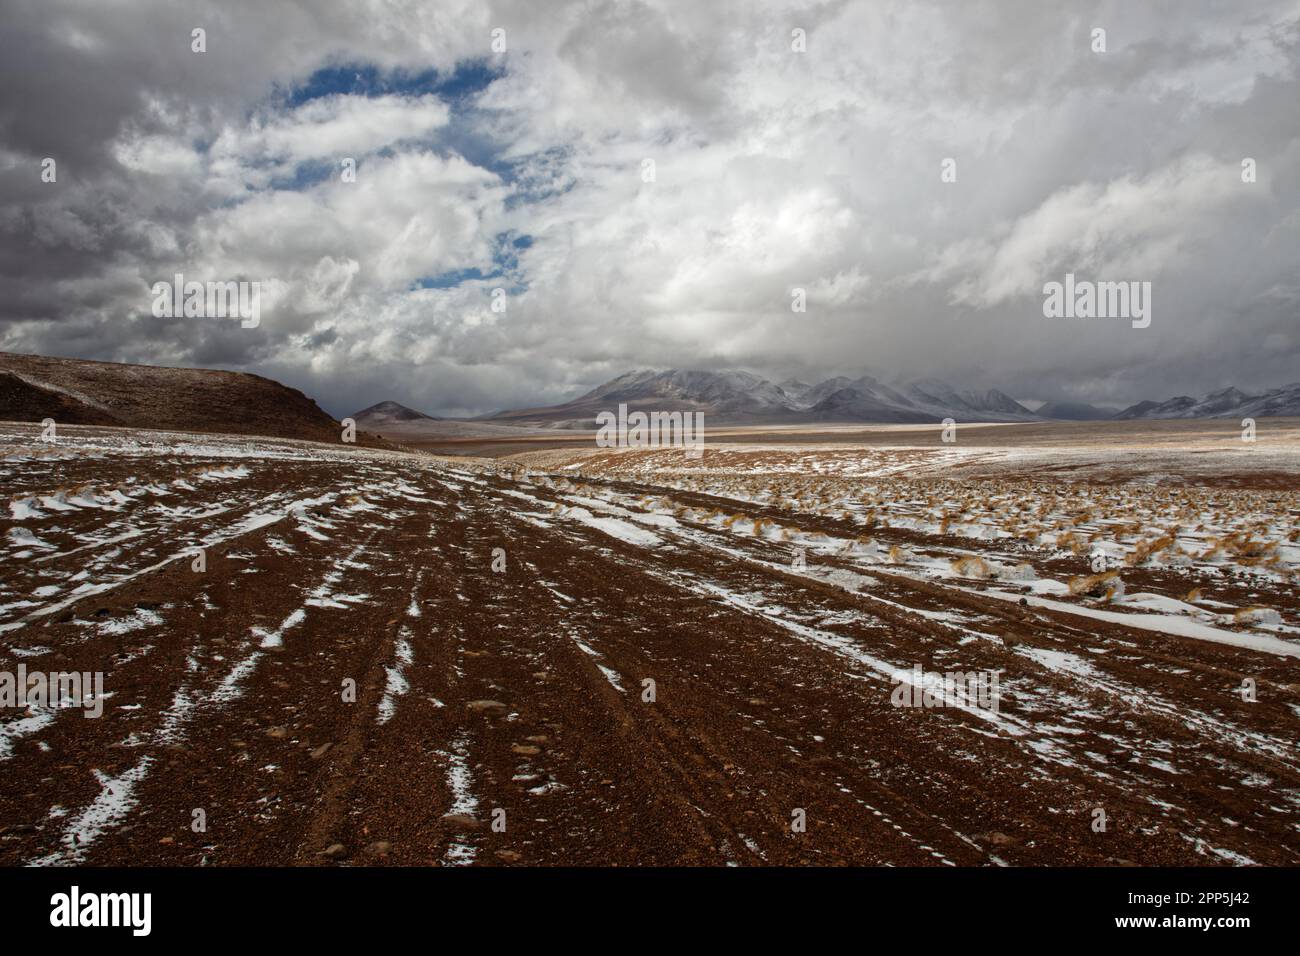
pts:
[581, 656]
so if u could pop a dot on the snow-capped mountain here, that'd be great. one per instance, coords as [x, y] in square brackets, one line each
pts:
[739, 397]
[743, 397]
[1225, 403]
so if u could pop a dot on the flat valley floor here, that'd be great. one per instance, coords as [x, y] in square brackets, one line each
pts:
[593, 657]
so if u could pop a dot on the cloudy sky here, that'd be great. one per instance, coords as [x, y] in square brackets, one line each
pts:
[526, 170]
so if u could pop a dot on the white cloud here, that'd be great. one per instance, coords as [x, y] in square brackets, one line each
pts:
[774, 170]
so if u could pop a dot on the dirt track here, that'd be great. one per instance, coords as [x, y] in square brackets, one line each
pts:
[772, 687]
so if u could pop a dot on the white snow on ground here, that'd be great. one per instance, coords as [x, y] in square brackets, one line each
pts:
[460, 782]
[1164, 624]
[276, 638]
[230, 687]
[226, 473]
[396, 684]
[248, 524]
[1236, 859]
[24, 509]
[654, 520]
[323, 594]
[611, 675]
[107, 810]
[1058, 660]
[614, 527]
[11, 730]
[22, 538]
[847, 648]
[136, 621]
[413, 606]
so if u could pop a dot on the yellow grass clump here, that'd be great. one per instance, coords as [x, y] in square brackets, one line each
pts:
[1105, 585]
[971, 566]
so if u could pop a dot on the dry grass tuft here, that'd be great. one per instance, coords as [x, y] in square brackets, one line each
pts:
[1106, 585]
[971, 566]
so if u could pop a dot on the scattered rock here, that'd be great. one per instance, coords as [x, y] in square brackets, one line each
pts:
[379, 848]
[167, 841]
[321, 751]
[526, 750]
[493, 708]
[537, 739]
[510, 856]
[278, 733]
[461, 821]
[334, 851]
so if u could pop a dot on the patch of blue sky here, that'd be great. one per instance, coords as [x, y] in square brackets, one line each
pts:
[533, 178]
[463, 135]
[505, 268]
[306, 174]
[365, 79]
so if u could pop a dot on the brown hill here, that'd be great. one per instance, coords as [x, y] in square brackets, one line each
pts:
[83, 392]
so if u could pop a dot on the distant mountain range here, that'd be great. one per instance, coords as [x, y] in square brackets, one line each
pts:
[743, 397]
[736, 397]
[1225, 403]
[77, 391]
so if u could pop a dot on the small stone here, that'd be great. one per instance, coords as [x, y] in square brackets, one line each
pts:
[379, 848]
[537, 739]
[334, 851]
[510, 856]
[321, 751]
[526, 750]
[278, 733]
[461, 821]
[493, 708]
[167, 841]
